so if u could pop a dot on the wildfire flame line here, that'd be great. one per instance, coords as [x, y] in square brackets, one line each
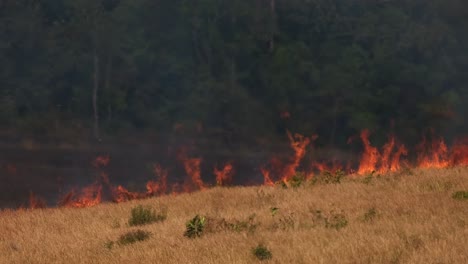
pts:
[431, 154]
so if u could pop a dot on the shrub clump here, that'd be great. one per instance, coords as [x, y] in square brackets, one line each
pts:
[261, 252]
[370, 215]
[329, 177]
[460, 195]
[133, 236]
[142, 216]
[332, 219]
[195, 227]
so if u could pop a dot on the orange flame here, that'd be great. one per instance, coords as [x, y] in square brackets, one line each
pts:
[434, 155]
[266, 177]
[223, 176]
[36, 202]
[192, 168]
[460, 153]
[370, 157]
[373, 159]
[89, 196]
[299, 144]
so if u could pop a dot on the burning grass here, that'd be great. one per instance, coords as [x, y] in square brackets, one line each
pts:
[395, 218]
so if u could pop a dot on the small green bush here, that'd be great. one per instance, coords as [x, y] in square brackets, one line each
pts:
[297, 180]
[336, 221]
[195, 227]
[142, 216]
[261, 252]
[133, 236]
[331, 219]
[460, 195]
[370, 215]
[328, 177]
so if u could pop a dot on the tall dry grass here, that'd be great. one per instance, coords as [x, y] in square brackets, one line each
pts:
[393, 219]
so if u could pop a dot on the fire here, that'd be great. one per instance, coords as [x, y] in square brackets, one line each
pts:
[266, 177]
[374, 161]
[324, 166]
[370, 157]
[36, 202]
[460, 153]
[120, 194]
[159, 187]
[299, 144]
[89, 196]
[224, 176]
[101, 161]
[432, 153]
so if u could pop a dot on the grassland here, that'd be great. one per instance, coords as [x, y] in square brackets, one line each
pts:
[410, 217]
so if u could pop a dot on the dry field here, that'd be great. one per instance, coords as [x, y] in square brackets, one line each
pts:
[401, 218]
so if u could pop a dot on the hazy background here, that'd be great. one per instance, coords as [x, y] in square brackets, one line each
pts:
[140, 79]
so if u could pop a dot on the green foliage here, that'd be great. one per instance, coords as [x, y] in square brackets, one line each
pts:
[332, 219]
[336, 221]
[370, 215]
[460, 195]
[109, 244]
[274, 211]
[142, 216]
[234, 225]
[261, 252]
[297, 180]
[133, 237]
[195, 227]
[353, 63]
[329, 177]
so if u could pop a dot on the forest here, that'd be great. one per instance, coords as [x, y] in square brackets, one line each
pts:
[233, 72]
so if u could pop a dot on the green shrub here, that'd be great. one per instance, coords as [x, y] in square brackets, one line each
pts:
[133, 236]
[330, 219]
[261, 252]
[195, 227]
[141, 216]
[370, 215]
[336, 221]
[297, 180]
[328, 177]
[460, 195]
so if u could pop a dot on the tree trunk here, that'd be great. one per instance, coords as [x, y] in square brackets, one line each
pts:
[334, 122]
[107, 87]
[95, 91]
[272, 25]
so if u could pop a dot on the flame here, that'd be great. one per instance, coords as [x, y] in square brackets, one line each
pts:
[430, 154]
[395, 164]
[89, 196]
[266, 177]
[460, 153]
[324, 166]
[370, 157]
[101, 161]
[36, 202]
[121, 194]
[299, 144]
[433, 155]
[162, 180]
[224, 176]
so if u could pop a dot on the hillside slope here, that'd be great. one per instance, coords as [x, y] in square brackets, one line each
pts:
[399, 218]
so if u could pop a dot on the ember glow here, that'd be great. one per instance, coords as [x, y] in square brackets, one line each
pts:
[391, 157]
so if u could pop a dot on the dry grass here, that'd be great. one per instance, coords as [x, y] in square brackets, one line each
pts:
[392, 219]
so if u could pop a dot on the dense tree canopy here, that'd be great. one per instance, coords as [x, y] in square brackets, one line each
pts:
[331, 67]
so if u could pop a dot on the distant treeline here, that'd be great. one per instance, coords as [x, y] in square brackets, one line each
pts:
[236, 70]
